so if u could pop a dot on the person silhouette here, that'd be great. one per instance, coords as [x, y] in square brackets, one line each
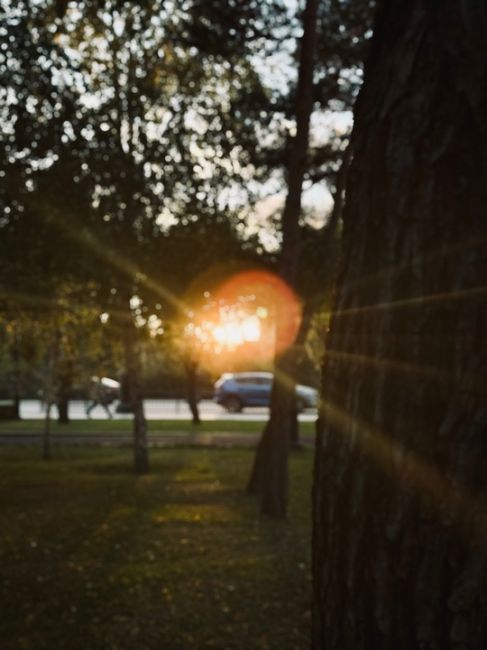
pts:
[99, 396]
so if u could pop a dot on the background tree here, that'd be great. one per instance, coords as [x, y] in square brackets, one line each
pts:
[269, 473]
[328, 86]
[399, 521]
[18, 350]
[121, 118]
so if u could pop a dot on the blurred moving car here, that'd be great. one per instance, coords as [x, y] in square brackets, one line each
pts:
[236, 390]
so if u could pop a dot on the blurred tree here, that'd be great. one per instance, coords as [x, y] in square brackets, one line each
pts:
[34, 108]
[399, 539]
[269, 473]
[343, 28]
[18, 352]
[126, 124]
[331, 84]
[120, 121]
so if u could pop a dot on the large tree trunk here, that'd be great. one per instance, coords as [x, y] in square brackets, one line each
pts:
[400, 535]
[270, 473]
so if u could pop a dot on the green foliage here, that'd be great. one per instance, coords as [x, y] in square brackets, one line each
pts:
[176, 559]
[54, 346]
[134, 135]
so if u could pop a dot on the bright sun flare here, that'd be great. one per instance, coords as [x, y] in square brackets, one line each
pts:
[237, 332]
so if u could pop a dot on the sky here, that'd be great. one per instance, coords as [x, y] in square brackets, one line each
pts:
[277, 72]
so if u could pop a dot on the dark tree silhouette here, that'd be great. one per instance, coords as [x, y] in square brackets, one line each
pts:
[400, 529]
[269, 475]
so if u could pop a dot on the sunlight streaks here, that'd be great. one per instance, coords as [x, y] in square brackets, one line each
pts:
[82, 235]
[417, 301]
[430, 259]
[447, 495]
[428, 373]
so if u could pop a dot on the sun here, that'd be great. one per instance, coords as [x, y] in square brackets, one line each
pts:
[234, 333]
[272, 302]
[251, 329]
[249, 318]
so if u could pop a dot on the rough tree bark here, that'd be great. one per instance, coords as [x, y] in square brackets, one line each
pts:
[269, 475]
[400, 534]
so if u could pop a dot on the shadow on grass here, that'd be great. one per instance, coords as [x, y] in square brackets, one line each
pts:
[95, 557]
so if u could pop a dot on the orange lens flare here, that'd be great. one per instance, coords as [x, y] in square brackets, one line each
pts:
[274, 311]
[243, 322]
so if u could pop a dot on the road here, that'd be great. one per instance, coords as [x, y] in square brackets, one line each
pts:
[158, 409]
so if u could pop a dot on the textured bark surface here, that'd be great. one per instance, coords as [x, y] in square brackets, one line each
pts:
[399, 539]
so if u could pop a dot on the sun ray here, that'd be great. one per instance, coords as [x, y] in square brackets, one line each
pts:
[88, 239]
[412, 472]
[433, 257]
[429, 373]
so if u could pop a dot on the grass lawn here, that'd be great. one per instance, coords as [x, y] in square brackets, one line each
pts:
[106, 426]
[94, 558]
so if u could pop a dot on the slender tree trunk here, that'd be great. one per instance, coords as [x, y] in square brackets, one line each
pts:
[63, 410]
[132, 376]
[50, 394]
[297, 352]
[328, 234]
[270, 470]
[65, 384]
[62, 378]
[269, 473]
[336, 216]
[400, 529]
[191, 367]
[16, 409]
[15, 351]
[46, 433]
[124, 404]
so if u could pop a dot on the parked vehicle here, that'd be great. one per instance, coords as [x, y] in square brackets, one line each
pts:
[235, 391]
